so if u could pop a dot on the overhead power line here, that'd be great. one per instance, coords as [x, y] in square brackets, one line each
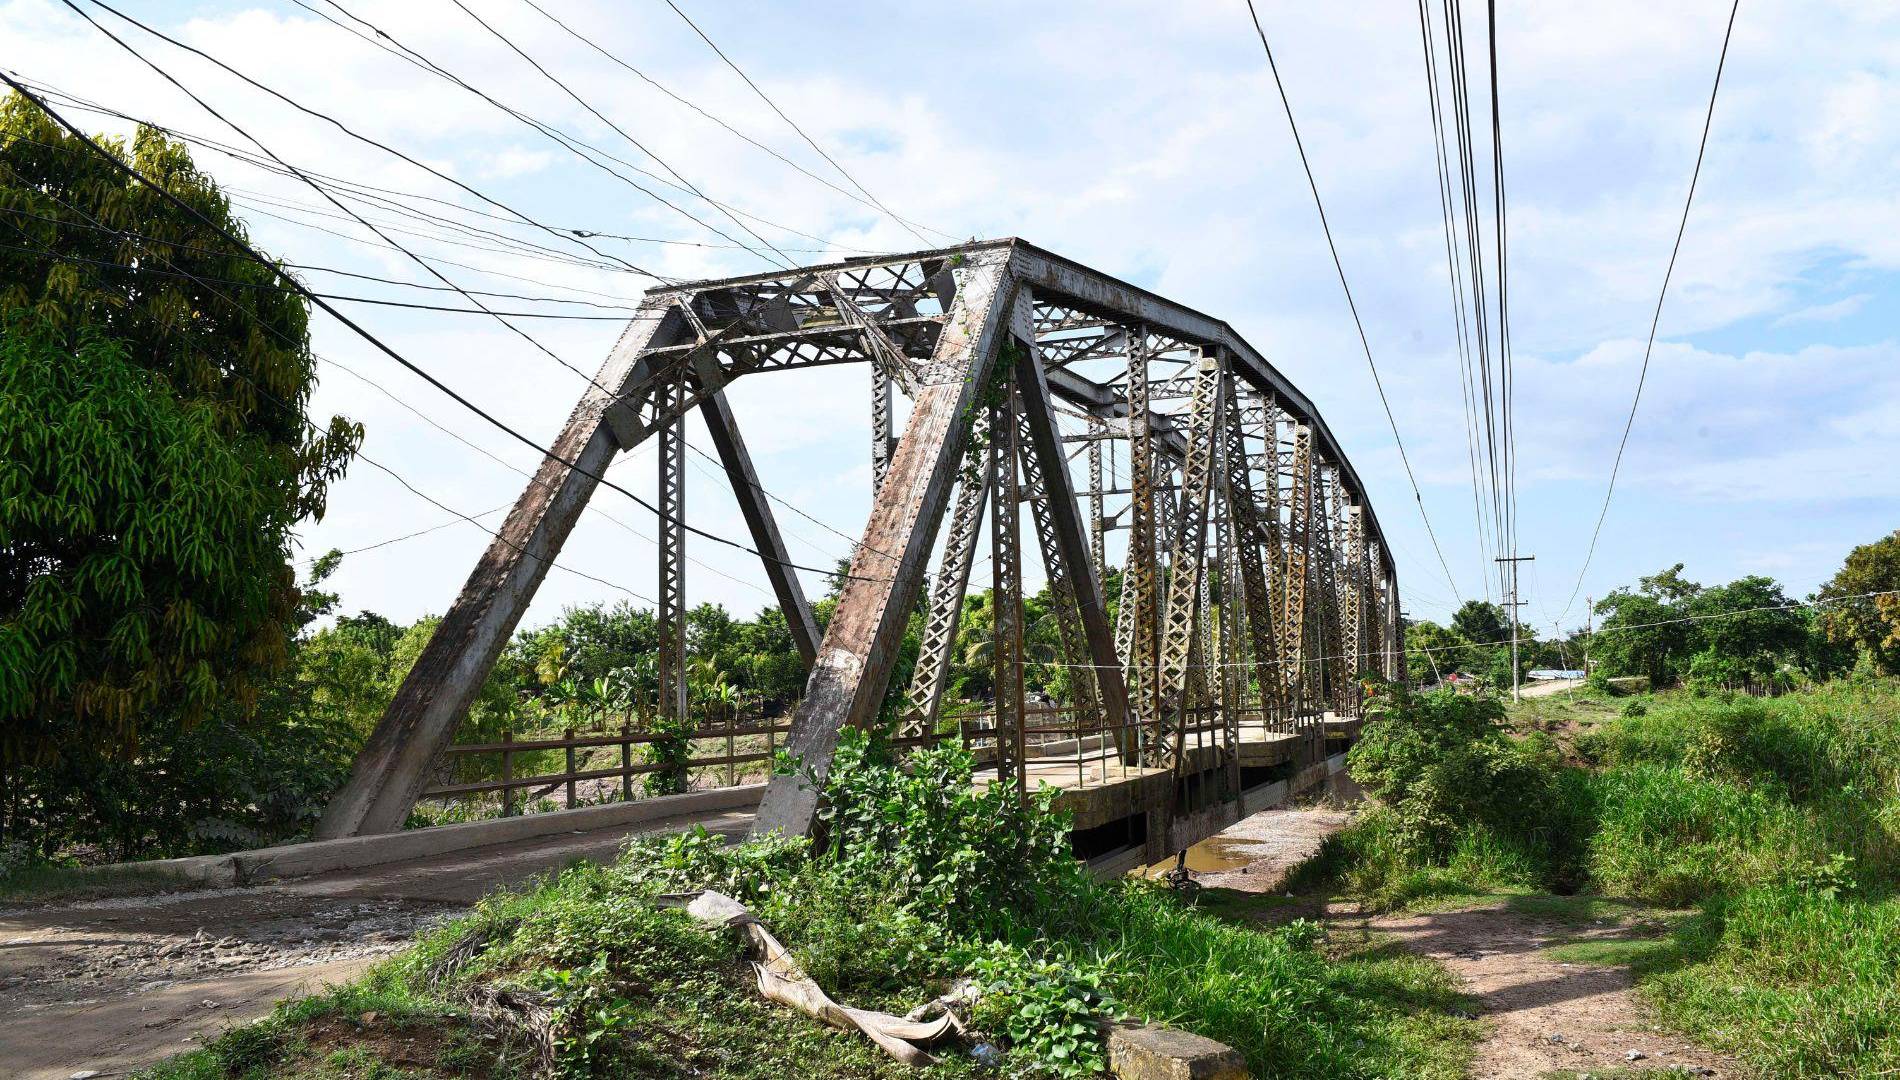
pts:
[254, 141]
[340, 126]
[793, 124]
[573, 144]
[380, 345]
[1655, 319]
[1467, 391]
[402, 201]
[662, 88]
[1507, 372]
[1351, 305]
[264, 287]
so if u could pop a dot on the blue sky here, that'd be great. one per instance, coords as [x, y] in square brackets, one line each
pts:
[1145, 140]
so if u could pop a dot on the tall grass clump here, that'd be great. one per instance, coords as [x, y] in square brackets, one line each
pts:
[1460, 804]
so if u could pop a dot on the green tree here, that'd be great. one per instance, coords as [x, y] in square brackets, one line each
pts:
[1481, 623]
[154, 454]
[1748, 634]
[1870, 624]
[1639, 634]
[1430, 651]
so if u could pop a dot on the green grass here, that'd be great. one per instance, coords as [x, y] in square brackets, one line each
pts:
[1775, 822]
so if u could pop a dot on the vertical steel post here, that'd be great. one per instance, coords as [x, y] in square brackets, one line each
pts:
[1098, 534]
[1185, 566]
[1141, 654]
[671, 617]
[924, 697]
[1293, 622]
[1007, 586]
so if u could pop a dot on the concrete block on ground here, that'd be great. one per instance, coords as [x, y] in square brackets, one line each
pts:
[1153, 1052]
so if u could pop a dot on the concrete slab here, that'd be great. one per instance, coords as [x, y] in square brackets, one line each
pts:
[1152, 1052]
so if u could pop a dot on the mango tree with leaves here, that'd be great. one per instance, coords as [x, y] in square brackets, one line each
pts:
[155, 458]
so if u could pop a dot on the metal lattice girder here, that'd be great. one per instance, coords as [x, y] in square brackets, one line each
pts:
[1073, 576]
[1006, 596]
[1323, 544]
[1228, 542]
[670, 619]
[1275, 550]
[1254, 547]
[848, 683]
[1293, 638]
[1352, 619]
[1098, 527]
[880, 425]
[1140, 649]
[1074, 650]
[1185, 564]
[924, 699]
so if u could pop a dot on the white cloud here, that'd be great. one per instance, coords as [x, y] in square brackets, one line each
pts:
[1831, 312]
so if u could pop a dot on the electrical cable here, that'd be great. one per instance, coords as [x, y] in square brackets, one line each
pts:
[1351, 305]
[572, 144]
[253, 140]
[644, 77]
[382, 346]
[1441, 158]
[809, 141]
[340, 126]
[1708, 121]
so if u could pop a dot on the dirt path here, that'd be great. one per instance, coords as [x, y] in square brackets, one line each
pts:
[1540, 1014]
[1552, 686]
[108, 986]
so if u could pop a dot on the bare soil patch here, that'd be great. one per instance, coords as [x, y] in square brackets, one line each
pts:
[1540, 1014]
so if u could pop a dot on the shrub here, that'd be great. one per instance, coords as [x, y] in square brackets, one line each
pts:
[1460, 794]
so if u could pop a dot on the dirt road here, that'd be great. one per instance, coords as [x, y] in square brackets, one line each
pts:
[1547, 688]
[108, 986]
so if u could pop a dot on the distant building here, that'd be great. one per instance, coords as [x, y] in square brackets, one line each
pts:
[1547, 674]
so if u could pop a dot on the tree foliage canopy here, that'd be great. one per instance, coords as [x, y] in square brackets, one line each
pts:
[1868, 623]
[154, 455]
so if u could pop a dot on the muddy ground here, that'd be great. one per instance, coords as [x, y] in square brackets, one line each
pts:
[105, 987]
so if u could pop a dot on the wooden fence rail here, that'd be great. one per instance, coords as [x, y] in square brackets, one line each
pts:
[569, 742]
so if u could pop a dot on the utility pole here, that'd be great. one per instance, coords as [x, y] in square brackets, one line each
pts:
[1514, 603]
[1589, 630]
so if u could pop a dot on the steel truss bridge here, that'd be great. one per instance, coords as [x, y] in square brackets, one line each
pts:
[1255, 585]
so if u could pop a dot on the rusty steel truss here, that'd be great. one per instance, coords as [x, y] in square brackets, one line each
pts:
[1252, 587]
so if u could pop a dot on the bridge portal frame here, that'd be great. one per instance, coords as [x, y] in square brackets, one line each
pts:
[946, 327]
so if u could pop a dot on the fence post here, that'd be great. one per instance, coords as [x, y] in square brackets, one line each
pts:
[507, 774]
[732, 721]
[626, 763]
[568, 735]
